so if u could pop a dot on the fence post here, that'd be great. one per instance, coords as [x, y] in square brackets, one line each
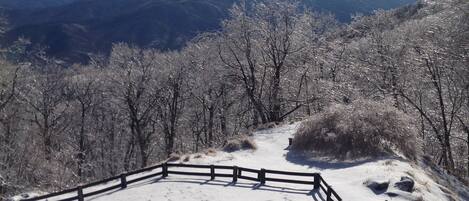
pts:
[80, 194]
[262, 176]
[328, 193]
[123, 180]
[212, 172]
[317, 180]
[165, 170]
[235, 174]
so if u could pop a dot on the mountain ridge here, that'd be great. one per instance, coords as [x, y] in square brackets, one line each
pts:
[74, 30]
[33, 4]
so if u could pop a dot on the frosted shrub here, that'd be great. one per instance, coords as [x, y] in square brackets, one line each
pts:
[241, 143]
[174, 157]
[361, 129]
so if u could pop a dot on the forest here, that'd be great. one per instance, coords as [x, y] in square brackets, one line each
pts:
[62, 124]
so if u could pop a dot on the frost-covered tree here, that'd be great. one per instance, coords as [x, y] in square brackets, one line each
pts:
[259, 46]
[135, 88]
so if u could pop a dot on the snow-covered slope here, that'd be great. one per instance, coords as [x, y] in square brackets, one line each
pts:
[272, 153]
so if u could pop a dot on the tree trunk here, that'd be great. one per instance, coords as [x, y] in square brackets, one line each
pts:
[81, 151]
[450, 161]
[128, 154]
[211, 114]
[275, 109]
[142, 143]
[143, 154]
[466, 130]
[223, 126]
[394, 86]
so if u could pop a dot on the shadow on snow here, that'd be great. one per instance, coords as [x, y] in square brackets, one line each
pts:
[314, 193]
[328, 163]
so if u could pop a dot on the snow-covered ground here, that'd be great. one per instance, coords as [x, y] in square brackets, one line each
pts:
[272, 153]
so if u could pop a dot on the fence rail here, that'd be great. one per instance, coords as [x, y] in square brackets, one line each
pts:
[263, 175]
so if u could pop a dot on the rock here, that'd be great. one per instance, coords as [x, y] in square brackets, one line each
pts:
[406, 184]
[377, 186]
[392, 194]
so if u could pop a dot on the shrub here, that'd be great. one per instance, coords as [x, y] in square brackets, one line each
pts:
[241, 143]
[232, 145]
[248, 143]
[210, 152]
[265, 126]
[174, 157]
[361, 129]
[186, 158]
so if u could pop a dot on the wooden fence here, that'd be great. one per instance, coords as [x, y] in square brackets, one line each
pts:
[263, 176]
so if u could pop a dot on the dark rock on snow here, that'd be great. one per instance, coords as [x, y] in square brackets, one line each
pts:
[377, 187]
[406, 184]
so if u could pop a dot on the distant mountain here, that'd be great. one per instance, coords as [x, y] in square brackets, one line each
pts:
[72, 29]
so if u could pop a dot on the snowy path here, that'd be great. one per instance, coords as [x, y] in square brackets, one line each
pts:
[272, 153]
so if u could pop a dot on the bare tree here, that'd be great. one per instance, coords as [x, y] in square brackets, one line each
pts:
[209, 88]
[136, 91]
[83, 89]
[47, 105]
[256, 47]
[440, 79]
[8, 83]
[173, 80]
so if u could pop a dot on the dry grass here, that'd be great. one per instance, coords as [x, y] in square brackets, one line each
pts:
[388, 162]
[420, 198]
[186, 158]
[210, 152]
[266, 126]
[241, 143]
[174, 157]
[362, 129]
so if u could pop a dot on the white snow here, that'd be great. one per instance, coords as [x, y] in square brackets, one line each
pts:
[272, 153]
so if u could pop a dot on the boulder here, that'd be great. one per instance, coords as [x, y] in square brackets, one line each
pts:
[405, 184]
[377, 186]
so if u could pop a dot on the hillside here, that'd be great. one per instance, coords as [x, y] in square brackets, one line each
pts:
[386, 87]
[32, 4]
[73, 30]
[347, 178]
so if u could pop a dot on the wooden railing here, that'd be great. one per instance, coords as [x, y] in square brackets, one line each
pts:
[263, 175]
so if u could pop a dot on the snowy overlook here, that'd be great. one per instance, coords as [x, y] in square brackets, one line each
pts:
[234, 100]
[351, 180]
